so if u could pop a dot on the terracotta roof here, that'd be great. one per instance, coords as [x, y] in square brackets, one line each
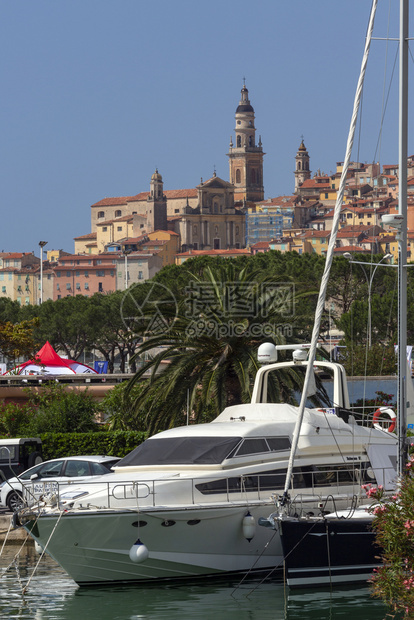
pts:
[109, 202]
[170, 232]
[317, 233]
[14, 254]
[260, 244]
[181, 193]
[88, 236]
[215, 252]
[350, 248]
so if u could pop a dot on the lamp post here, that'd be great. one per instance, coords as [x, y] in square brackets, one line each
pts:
[126, 252]
[348, 256]
[42, 245]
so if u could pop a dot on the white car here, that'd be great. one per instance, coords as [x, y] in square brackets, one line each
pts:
[43, 477]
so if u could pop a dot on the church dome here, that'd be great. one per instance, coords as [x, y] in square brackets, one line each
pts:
[156, 176]
[244, 107]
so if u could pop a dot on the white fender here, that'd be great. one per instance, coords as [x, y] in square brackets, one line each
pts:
[138, 552]
[249, 526]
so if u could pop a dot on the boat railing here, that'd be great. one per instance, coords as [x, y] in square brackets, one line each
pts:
[308, 481]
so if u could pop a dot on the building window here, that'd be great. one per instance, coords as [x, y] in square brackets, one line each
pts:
[104, 228]
[101, 214]
[77, 286]
[140, 275]
[77, 273]
[27, 301]
[119, 228]
[100, 287]
[58, 286]
[86, 286]
[58, 274]
[68, 286]
[100, 273]
[68, 274]
[118, 213]
[3, 289]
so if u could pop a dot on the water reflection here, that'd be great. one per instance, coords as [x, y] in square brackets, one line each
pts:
[52, 595]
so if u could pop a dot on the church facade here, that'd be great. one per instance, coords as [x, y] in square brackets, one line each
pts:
[209, 216]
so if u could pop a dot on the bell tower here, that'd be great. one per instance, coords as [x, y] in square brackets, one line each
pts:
[245, 157]
[156, 204]
[302, 172]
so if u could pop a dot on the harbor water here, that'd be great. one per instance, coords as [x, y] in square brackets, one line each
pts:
[51, 595]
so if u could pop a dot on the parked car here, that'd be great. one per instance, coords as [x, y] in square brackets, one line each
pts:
[17, 455]
[45, 476]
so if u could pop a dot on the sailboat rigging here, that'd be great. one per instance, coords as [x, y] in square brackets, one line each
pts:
[334, 548]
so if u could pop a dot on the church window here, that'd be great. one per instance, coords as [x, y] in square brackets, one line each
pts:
[237, 230]
[194, 229]
[299, 165]
[239, 141]
[238, 176]
[253, 176]
[216, 230]
[250, 123]
[250, 141]
[215, 207]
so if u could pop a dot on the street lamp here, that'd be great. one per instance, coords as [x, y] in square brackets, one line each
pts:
[126, 252]
[348, 256]
[42, 245]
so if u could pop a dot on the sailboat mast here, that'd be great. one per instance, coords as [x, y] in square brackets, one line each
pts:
[402, 238]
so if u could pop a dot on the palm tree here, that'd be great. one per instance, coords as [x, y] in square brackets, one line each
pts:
[209, 351]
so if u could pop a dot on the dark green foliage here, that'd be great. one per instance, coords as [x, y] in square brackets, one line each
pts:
[360, 361]
[117, 407]
[51, 409]
[109, 443]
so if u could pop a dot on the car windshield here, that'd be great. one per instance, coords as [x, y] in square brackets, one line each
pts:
[44, 470]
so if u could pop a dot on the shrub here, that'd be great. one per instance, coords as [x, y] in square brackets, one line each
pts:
[393, 523]
[111, 443]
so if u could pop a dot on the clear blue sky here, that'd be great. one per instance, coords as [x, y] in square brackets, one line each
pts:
[98, 93]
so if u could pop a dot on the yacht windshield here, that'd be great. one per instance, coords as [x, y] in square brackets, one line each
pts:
[181, 451]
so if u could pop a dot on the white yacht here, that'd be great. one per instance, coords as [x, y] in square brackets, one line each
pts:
[186, 503]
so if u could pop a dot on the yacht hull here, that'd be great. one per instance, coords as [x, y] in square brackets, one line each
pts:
[93, 547]
[326, 552]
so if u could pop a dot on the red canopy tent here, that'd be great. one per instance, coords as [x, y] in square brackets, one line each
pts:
[48, 362]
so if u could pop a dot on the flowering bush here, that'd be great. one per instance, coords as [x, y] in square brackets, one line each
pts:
[393, 524]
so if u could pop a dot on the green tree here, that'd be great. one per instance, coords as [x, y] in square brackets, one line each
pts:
[211, 342]
[118, 407]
